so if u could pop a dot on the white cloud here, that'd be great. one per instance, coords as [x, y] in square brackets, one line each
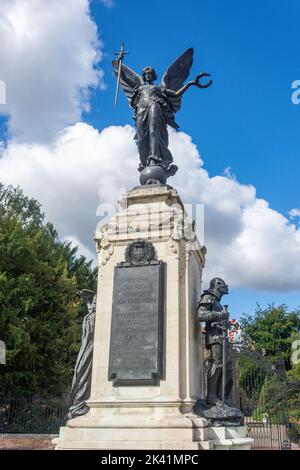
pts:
[294, 213]
[108, 3]
[48, 54]
[71, 176]
[82, 249]
[249, 244]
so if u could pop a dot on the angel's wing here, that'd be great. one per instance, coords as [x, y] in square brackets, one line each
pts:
[177, 74]
[129, 80]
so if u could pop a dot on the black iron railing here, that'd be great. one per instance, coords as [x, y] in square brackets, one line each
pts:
[261, 391]
[32, 414]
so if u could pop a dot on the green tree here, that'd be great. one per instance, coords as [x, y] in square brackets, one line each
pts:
[293, 376]
[270, 331]
[40, 313]
[272, 400]
[250, 376]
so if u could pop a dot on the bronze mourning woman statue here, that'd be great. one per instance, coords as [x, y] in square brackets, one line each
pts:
[154, 108]
[81, 384]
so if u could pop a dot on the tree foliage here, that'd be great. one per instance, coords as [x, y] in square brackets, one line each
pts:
[250, 376]
[41, 314]
[271, 331]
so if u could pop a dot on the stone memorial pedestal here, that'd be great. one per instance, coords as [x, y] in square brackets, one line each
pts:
[148, 355]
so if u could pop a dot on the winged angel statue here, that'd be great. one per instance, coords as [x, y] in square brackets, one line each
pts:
[154, 108]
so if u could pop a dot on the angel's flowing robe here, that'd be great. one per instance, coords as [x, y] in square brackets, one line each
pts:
[81, 385]
[152, 114]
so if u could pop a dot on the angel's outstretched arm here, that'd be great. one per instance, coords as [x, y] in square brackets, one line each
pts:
[180, 91]
[195, 82]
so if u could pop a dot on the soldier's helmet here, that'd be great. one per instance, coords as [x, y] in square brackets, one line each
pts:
[218, 284]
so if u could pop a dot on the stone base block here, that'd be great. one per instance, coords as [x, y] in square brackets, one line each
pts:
[229, 438]
[132, 445]
[187, 432]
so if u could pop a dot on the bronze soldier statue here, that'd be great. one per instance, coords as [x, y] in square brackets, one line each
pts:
[217, 408]
[216, 317]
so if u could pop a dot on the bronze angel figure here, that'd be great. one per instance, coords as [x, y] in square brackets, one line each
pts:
[154, 108]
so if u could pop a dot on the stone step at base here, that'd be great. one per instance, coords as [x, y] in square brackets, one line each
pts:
[127, 445]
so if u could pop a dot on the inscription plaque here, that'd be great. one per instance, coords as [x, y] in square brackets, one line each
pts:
[137, 324]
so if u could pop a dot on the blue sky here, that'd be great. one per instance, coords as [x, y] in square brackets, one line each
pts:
[246, 120]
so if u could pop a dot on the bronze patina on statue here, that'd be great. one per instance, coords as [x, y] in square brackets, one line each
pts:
[81, 385]
[155, 107]
[217, 408]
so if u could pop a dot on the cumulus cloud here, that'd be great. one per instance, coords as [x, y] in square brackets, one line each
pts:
[248, 243]
[108, 3]
[294, 213]
[48, 60]
[71, 177]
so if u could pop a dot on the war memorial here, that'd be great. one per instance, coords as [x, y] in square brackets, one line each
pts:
[139, 380]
